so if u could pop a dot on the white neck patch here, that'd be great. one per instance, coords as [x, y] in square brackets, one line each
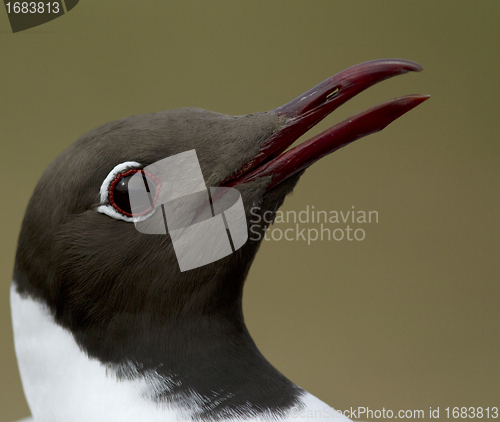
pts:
[63, 384]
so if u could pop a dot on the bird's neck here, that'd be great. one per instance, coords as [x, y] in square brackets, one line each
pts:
[209, 356]
[209, 360]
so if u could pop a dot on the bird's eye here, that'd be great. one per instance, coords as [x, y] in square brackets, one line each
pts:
[124, 185]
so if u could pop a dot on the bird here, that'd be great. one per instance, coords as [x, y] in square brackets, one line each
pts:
[106, 325]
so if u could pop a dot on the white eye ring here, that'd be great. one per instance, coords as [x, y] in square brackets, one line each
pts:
[106, 207]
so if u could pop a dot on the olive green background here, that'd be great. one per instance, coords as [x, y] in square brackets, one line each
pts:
[409, 318]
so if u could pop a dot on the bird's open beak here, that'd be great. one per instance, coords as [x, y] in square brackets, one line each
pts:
[308, 109]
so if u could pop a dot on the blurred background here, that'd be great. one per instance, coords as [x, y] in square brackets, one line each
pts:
[409, 317]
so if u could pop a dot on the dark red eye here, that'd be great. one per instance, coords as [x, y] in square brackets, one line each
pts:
[123, 185]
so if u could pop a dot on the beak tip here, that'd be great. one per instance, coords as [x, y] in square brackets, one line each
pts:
[421, 98]
[402, 105]
[415, 67]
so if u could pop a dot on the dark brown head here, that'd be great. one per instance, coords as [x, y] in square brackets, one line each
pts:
[121, 292]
